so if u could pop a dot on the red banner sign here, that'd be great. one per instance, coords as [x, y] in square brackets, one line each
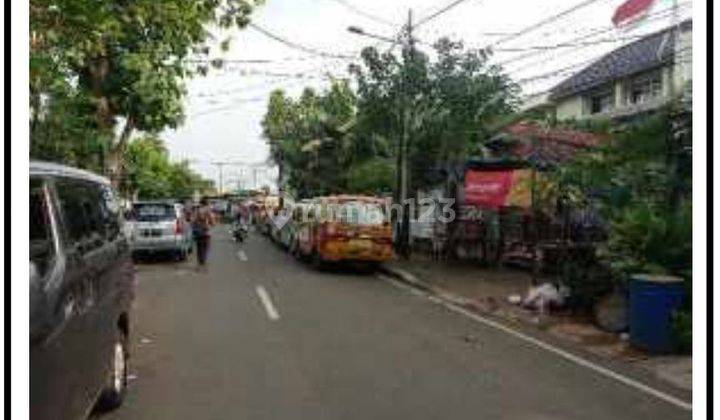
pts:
[488, 188]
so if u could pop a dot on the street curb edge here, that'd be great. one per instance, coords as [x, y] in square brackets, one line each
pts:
[406, 277]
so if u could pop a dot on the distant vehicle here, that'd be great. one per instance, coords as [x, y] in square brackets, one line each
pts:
[220, 208]
[290, 234]
[160, 226]
[345, 228]
[282, 230]
[268, 206]
[81, 288]
[239, 231]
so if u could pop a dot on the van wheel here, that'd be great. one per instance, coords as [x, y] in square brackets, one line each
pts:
[113, 394]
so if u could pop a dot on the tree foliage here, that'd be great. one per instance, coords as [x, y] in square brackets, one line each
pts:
[125, 61]
[641, 181]
[345, 141]
[452, 102]
[151, 174]
[312, 137]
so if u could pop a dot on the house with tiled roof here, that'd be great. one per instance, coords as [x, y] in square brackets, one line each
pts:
[636, 78]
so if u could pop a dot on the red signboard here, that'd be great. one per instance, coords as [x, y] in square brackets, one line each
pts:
[488, 188]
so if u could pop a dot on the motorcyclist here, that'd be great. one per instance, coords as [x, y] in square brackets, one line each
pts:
[240, 227]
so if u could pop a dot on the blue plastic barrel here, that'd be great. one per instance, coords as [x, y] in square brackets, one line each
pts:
[652, 301]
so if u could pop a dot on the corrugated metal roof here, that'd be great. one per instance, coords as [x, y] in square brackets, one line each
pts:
[644, 54]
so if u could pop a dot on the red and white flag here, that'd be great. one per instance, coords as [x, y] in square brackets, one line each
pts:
[631, 11]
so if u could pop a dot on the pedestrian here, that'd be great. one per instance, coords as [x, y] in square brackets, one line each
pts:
[202, 220]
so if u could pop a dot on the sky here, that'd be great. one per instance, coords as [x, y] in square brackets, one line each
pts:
[224, 109]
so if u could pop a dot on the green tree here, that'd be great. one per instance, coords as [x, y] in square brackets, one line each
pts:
[339, 140]
[453, 101]
[151, 175]
[375, 176]
[642, 184]
[130, 59]
[311, 138]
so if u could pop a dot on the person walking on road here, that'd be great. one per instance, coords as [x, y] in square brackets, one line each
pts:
[202, 220]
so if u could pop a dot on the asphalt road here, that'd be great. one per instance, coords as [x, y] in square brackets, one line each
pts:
[262, 336]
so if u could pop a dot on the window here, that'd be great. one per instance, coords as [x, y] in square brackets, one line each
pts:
[110, 211]
[41, 239]
[644, 88]
[82, 213]
[153, 212]
[601, 101]
[356, 213]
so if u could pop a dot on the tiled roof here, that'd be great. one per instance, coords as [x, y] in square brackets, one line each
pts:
[551, 145]
[644, 54]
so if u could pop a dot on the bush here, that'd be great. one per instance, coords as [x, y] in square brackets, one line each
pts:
[588, 281]
[646, 239]
[681, 325]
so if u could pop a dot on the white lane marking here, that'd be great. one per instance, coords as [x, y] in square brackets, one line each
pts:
[267, 303]
[242, 256]
[545, 346]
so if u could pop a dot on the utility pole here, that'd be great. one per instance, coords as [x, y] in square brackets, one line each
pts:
[406, 97]
[255, 178]
[408, 57]
[673, 142]
[281, 191]
[220, 169]
[221, 164]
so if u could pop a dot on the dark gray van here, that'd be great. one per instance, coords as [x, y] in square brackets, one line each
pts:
[81, 288]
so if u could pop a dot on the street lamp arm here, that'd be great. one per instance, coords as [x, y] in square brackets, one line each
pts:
[360, 31]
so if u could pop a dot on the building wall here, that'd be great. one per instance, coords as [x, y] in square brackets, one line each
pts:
[682, 70]
[569, 108]
[674, 79]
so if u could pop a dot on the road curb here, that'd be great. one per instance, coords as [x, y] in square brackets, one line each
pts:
[406, 277]
[412, 280]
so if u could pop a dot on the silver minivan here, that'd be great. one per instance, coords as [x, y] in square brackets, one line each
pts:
[160, 226]
[82, 284]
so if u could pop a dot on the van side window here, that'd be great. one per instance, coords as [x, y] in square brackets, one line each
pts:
[41, 239]
[110, 212]
[81, 212]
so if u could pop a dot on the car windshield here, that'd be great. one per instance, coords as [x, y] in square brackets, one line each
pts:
[153, 212]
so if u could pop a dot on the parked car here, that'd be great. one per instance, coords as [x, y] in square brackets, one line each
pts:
[282, 229]
[345, 228]
[160, 226]
[290, 235]
[81, 288]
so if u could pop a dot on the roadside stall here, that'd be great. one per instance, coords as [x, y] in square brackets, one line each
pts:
[507, 213]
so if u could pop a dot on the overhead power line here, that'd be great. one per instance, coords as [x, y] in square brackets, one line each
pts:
[571, 68]
[221, 97]
[571, 44]
[544, 22]
[300, 47]
[655, 16]
[234, 60]
[365, 14]
[439, 12]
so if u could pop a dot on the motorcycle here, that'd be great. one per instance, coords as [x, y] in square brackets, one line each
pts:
[239, 232]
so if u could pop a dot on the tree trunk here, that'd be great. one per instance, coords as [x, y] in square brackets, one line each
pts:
[34, 116]
[115, 164]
